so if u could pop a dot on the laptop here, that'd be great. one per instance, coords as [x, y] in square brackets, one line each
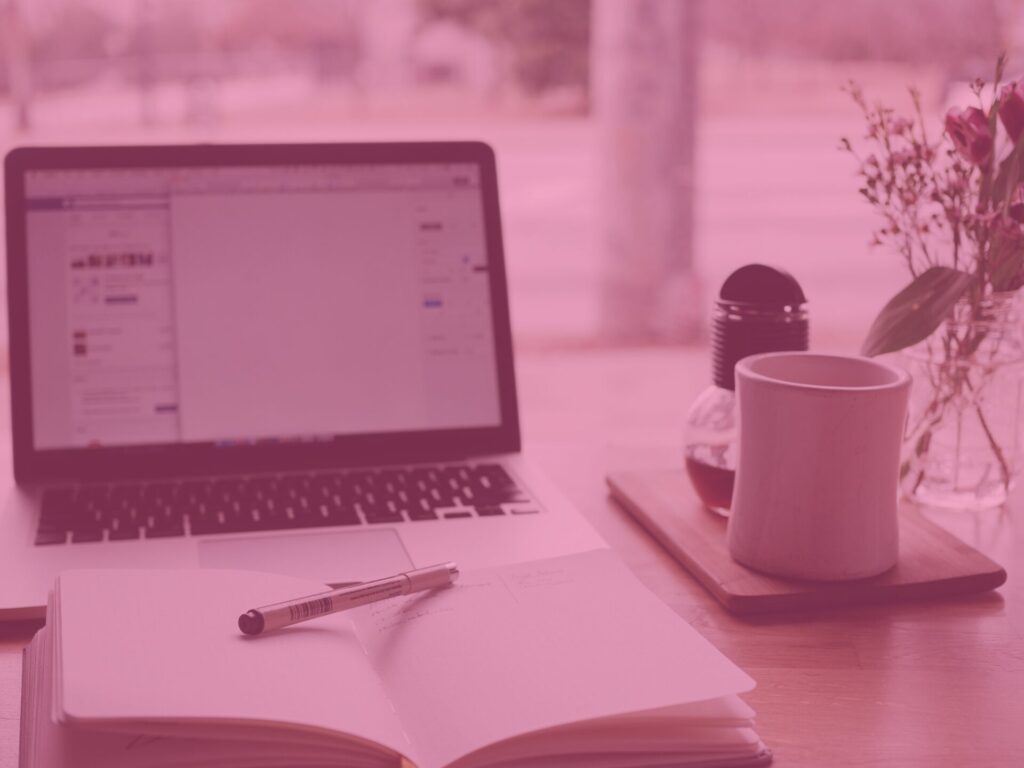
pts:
[292, 358]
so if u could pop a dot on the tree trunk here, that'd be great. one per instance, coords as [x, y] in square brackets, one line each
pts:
[644, 70]
[14, 44]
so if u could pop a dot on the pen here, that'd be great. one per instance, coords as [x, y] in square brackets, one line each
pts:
[270, 617]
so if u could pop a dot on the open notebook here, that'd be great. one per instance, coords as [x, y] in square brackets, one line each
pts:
[562, 662]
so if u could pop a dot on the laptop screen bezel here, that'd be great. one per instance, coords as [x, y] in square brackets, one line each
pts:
[34, 466]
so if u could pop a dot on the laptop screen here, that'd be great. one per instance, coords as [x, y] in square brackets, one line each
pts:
[250, 304]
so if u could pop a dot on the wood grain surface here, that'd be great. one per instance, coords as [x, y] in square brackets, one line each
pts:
[923, 683]
[932, 563]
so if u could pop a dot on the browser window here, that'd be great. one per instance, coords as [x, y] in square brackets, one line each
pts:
[257, 303]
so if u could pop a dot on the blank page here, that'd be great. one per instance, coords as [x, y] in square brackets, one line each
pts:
[48, 745]
[164, 647]
[520, 648]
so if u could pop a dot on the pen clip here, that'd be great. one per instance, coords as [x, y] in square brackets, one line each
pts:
[342, 584]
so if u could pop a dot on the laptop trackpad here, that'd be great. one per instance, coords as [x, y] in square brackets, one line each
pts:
[328, 557]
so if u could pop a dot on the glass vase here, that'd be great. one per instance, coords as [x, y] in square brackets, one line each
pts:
[962, 446]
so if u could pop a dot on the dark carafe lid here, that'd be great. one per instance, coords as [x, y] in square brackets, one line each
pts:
[759, 309]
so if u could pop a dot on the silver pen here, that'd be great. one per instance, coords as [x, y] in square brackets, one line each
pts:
[271, 617]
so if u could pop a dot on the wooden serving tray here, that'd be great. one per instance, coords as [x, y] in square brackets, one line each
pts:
[933, 562]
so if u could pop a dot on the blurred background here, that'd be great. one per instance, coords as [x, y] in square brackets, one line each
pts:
[646, 148]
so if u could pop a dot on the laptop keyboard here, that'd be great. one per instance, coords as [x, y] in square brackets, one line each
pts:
[277, 502]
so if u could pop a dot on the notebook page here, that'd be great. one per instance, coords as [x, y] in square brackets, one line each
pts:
[48, 745]
[519, 648]
[164, 646]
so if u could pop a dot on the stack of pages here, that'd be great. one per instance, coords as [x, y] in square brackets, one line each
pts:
[561, 662]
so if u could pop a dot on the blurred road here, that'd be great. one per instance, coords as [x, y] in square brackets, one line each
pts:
[770, 188]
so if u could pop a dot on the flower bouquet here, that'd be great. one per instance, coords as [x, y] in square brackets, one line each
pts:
[952, 207]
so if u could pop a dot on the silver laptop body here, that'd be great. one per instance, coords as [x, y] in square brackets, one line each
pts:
[293, 358]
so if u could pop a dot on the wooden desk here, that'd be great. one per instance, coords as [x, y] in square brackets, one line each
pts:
[938, 684]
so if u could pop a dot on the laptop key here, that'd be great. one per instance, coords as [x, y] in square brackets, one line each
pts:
[201, 524]
[58, 511]
[51, 537]
[385, 519]
[337, 514]
[170, 530]
[307, 515]
[87, 522]
[502, 496]
[489, 510]
[193, 492]
[320, 488]
[93, 495]
[383, 515]
[451, 513]
[233, 519]
[121, 531]
[417, 513]
[163, 523]
[493, 475]
[493, 485]
[87, 534]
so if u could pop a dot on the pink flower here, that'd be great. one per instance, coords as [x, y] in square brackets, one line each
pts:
[968, 128]
[901, 125]
[1011, 109]
[902, 157]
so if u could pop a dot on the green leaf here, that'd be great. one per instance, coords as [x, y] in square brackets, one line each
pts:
[1007, 267]
[913, 313]
[987, 191]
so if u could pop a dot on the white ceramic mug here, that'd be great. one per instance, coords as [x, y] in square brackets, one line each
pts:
[816, 490]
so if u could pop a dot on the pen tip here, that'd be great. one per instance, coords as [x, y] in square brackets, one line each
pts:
[251, 623]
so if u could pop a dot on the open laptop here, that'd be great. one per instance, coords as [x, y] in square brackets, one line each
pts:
[293, 358]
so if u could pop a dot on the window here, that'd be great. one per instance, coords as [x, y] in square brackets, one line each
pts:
[646, 149]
